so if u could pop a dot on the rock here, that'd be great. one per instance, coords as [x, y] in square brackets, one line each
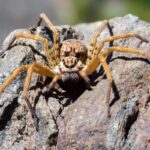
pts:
[77, 119]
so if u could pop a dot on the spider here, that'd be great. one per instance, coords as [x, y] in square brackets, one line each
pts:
[71, 59]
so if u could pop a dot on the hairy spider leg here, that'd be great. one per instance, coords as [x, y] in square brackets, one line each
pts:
[93, 64]
[92, 61]
[93, 40]
[37, 68]
[117, 37]
[12, 77]
[44, 41]
[56, 39]
[15, 73]
[42, 70]
[124, 50]
[110, 79]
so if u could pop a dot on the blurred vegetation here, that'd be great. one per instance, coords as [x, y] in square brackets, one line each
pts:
[92, 10]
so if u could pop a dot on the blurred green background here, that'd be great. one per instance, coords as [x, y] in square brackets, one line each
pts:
[92, 10]
[24, 13]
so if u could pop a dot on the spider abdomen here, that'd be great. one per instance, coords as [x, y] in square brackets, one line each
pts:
[70, 78]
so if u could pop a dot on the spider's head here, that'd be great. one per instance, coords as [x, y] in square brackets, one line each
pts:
[73, 54]
[72, 51]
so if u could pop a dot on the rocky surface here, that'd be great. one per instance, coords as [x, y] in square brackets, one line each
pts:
[76, 119]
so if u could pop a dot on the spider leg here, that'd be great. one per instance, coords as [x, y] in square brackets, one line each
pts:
[55, 79]
[125, 50]
[109, 77]
[97, 34]
[93, 40]
[117, 37]
[12, 77]
[29, 36]
[25, 89]
[44, 41]
[56, 39]
[40, 69]
[37, 68]
[93, 54]
[92, 66]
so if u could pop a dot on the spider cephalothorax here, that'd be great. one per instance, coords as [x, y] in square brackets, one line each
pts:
[73, 54]
[70, 59]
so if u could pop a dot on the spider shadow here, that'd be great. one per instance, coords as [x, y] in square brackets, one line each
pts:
[65, 94]
[127, 59]
[7, 113]
[131, 59]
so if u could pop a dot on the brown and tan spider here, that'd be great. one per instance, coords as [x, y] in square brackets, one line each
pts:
[71, 58]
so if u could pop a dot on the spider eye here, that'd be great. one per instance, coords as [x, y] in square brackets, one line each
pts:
[66, 53]
[78, 55]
